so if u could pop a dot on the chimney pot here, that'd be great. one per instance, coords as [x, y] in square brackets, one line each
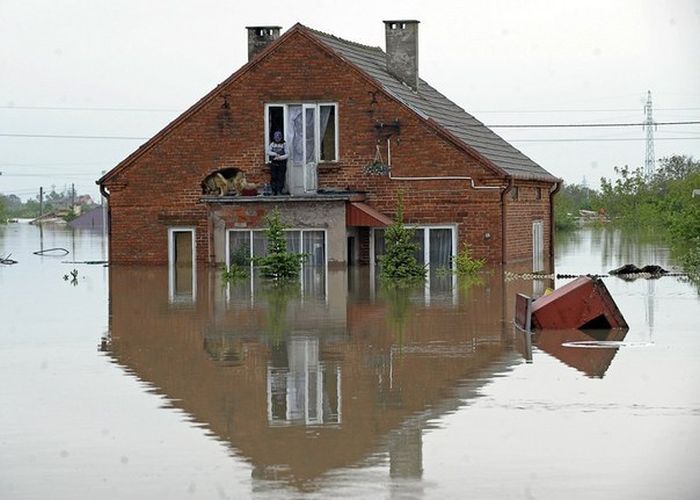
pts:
[402, 50]
[260, 37]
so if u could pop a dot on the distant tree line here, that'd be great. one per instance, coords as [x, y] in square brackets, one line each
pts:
[12, 206]
[662, 201]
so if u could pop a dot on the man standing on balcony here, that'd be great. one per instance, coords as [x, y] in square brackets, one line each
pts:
[278, 162]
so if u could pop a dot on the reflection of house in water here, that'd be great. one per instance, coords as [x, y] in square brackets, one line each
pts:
[576, 348]
[318, 378]
[300, 387]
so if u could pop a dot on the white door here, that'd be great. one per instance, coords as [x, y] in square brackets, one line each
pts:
[302, 139]
[537, 246]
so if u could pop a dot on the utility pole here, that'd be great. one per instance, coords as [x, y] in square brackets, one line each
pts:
[41, 202]
[72, 198]
[650, 160]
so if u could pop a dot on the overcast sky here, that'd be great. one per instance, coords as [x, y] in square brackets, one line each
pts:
[136, 65]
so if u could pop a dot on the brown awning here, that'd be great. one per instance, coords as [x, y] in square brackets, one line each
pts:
[361, 214]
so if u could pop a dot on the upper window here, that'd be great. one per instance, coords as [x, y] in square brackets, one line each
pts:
[514, 193]
[310, 130]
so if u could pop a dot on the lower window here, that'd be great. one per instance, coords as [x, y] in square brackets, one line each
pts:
[243, 245]
[435, 245]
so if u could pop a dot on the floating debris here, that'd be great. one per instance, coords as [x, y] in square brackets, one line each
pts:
[72, 276]
[584, 303]
[53, 252]
[7, 260]
[91, 262]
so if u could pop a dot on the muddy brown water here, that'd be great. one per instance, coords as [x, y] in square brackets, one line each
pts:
[132, 382]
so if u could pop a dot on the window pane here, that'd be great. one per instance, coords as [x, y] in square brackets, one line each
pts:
[296, 134]
[310, 136]
[379, 244]
[293, 241]
[259, 244]
[440, 248]
[314, 248]
[239, 246]
[419, 240]
[327, 130]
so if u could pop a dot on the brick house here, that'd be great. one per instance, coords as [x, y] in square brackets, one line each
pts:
[362, 130]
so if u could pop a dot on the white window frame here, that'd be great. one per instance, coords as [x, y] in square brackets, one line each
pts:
[251, 266]
[426, 241]
[317, 131]
[171, 261]
[537, 244]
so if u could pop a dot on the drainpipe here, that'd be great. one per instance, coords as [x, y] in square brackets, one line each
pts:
[552, 191]
[106, 216]
[503, 219]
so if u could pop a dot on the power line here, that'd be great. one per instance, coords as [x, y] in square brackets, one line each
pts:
[42, 164]
[586, 125]
[526, 125]
[52, 136]
[608, 110]
[606, 139]
[170, 110]
[81, 108]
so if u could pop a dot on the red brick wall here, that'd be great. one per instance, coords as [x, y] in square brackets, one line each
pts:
[520, 214]
[162, 187]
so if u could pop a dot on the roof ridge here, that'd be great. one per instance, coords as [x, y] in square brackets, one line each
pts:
[350, 42]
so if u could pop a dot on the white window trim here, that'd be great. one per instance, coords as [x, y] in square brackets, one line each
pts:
[317, 131]
[337, 144]
[171, 261]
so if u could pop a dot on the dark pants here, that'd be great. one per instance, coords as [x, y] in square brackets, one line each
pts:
[278, 172]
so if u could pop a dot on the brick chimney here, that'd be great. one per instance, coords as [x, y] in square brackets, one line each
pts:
[260, 37]
[402, 51]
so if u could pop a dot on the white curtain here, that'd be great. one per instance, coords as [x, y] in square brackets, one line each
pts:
[295, 134]
[314, 248]
[440, 248]
[310, 135]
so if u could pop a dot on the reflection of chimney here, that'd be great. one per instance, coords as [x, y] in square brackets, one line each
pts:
[402, 51]
[260, 37]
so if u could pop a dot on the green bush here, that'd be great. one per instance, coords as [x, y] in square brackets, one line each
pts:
[465, 264]
[399, 262]
[278, 264]
[233, 274]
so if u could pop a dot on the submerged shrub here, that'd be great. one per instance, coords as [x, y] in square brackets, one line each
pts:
[278, 264]
[399, 262]
[465, 264]
[234, 273]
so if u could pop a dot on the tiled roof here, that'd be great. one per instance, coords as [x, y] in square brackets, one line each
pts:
[431, 104]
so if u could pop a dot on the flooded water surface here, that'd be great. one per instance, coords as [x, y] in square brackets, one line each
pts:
[145, 382]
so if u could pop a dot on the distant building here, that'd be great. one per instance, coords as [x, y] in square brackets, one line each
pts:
[94, 219]
[361, 130]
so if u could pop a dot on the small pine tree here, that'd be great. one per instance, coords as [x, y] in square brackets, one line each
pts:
[399, 262]
[278, 264]
[465, 264]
